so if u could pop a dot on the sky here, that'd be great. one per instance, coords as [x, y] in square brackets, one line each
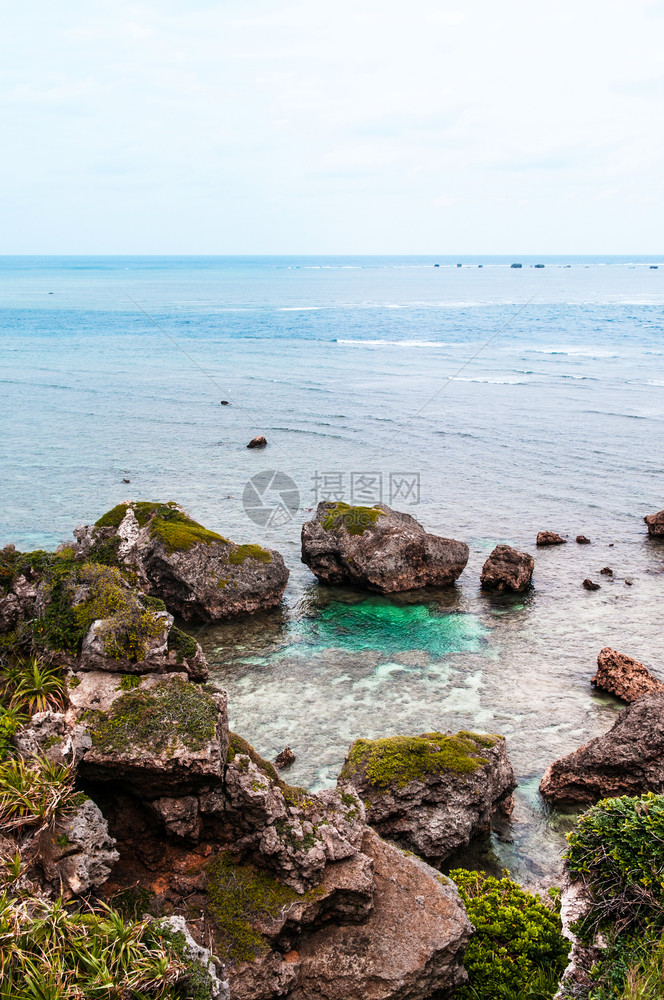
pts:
[395, 126]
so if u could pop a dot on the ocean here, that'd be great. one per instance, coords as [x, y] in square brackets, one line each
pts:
[488, 401]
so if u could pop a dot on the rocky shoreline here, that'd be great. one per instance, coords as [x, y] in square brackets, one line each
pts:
[276, 891]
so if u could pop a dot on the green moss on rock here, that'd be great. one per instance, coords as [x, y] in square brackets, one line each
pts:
[293, 794]
[237, 895]
[396, 760]
[185, 646]
[167, 521]
[355, 520]
[174, 712]
[240, 553]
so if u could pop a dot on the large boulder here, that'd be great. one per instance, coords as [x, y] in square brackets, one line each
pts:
[379, 549]
[628, 760]
[507, 569]
[623, 677]
[199, 574]
[655, 524]
[410, 948]
[431, 793]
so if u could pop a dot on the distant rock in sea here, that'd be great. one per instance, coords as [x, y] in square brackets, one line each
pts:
[582, 540]
[516, 265]
[550, 538]
[257, 442]
[623, 676]
[655, 524]
[507, 569]
[589, 585]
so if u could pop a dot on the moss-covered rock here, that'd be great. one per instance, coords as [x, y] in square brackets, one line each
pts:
[239, 897]
[198, 573]
[397, 760]
[433, 792]
[379, 549]
[165, 738]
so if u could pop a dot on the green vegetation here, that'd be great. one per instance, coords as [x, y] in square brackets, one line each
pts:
[170, 713]
[518, 950]
[32, 686]
[168, 522]
[130, 681]
[33, 792]
[355, 520]
[238, 894]
[48, 952]
[240, 553]
[11, 720]
[184, 645]
[77, 594]
[396, 760]
[617, 852]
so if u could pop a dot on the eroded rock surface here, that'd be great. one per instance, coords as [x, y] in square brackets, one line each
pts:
[628, 760]
[507, 569]
[545, 538]
[199, 574]
[170, 739]
[655, 524]
[410, 947]
[623, 676]
[379, 549]
[431, 793]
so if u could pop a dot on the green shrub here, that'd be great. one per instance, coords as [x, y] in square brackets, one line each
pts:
[33, 792]
[518, 949]
[11, 720]
[33, 686]
[51, 953]
[617, 852]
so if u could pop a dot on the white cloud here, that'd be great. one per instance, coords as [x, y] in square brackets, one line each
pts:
[298, 126]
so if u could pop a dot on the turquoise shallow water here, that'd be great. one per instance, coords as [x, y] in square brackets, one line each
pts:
[522, 399]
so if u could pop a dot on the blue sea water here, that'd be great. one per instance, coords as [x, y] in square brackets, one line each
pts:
[503, 400]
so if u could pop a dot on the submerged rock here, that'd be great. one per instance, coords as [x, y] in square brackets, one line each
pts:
[199, 574]
[628, 760]
[550, 538]
[507, 569]
[257, 442]
[655, 524]
[379, 549]
[623, 677]
[431, 793]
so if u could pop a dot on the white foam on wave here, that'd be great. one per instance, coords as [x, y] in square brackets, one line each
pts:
[574, 352]
[290, 309]
[488, 381]
[397, 343]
